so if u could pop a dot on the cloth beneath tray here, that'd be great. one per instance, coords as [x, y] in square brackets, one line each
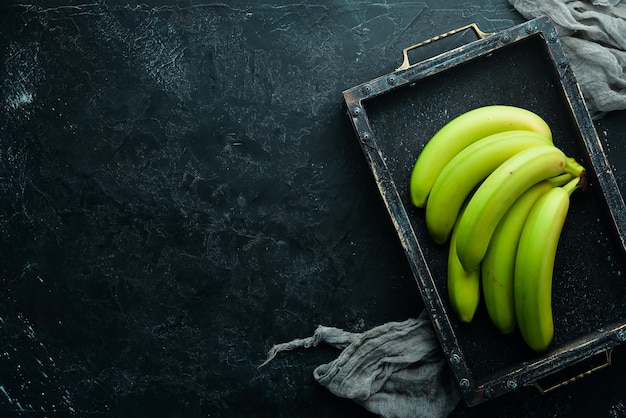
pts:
[593, 35]
[395, 370]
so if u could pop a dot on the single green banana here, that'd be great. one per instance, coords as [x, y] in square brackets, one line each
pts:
[498, 192]
[466, 170]
[459, 133]
[534, 265]
[463, 287]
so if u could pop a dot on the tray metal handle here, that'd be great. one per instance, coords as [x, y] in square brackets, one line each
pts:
[406, 63]
[607, 352]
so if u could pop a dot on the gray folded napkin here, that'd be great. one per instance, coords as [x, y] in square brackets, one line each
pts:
[593, 34]
[395, 370]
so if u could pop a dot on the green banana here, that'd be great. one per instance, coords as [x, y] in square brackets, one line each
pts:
[466, 170]
[534, 265]
[498, 192]
[459, 133]
[463, 287]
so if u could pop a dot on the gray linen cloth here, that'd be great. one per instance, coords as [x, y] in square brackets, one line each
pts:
[593, 35]
[395, 370]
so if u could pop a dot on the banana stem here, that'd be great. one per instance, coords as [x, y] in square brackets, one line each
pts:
[559, 180]
[572, 185]
[573, 167]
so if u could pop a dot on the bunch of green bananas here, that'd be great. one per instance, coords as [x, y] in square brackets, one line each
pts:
[494, 186]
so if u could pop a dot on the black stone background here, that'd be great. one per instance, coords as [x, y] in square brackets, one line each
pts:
[180, 188]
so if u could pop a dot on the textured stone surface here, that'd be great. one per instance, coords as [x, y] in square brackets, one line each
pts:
[180, 189]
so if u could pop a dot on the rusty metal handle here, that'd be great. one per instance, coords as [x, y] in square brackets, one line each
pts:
[406, 63]
[607, 362]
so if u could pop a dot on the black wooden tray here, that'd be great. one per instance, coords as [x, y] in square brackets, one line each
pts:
[394, 116]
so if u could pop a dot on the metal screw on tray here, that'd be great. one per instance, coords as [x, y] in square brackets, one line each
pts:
[455, 359]
[367, 89]
[356, 111]
[464, 383]
[511, 384]
[391, 80]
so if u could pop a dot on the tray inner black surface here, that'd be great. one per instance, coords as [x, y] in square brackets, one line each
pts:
[589, 286]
